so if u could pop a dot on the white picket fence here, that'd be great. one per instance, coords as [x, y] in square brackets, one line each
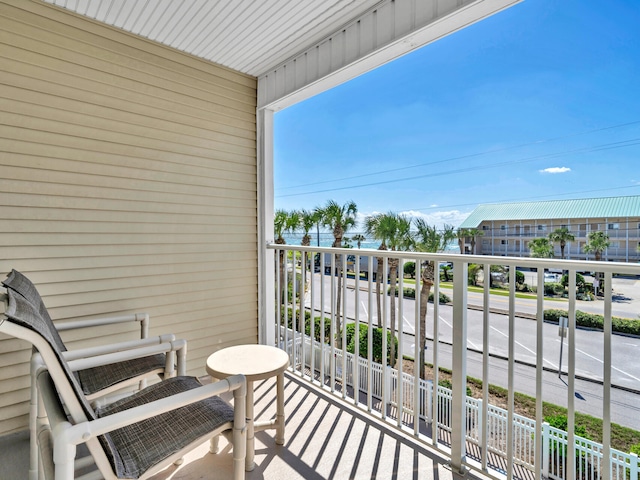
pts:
[589, 454]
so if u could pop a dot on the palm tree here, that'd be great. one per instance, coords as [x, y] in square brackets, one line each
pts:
[394, 230]
[561, 235]
[380, 227]
[279, 225]
[358, 238]
[307, 222]
[339, 218]
[428, 239]
[597, 243]
[283, 222]
[461, 235]
[541, 248]
[474, 233]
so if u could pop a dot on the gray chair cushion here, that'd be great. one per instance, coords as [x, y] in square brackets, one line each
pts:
[144, 444]
[98, 378]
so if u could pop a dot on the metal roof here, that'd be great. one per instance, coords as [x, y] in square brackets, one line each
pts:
[246, 35]
[607, 207]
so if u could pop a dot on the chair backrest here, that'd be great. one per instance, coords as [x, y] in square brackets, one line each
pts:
[23, 313]
[17, 282]
[42, 334]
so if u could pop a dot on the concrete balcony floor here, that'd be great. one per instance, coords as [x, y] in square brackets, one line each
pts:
[325, 439]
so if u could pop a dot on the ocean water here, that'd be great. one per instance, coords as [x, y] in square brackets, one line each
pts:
[326, 240]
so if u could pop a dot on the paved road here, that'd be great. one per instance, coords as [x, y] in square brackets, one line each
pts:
[589, 347]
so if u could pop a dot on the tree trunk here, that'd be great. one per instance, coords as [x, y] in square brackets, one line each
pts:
[427, 276]
[379, 271]
[393, 278]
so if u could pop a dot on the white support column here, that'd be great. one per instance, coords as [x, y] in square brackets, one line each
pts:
[459, 370]
[266, 263]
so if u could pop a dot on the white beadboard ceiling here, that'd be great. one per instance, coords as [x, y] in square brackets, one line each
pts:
[250, 36]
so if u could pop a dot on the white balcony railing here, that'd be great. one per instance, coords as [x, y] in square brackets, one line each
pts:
[471, 431]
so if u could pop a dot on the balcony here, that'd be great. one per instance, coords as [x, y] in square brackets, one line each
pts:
[475, 434]
[342, 407]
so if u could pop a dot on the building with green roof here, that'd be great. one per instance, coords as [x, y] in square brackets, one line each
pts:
[507, 228]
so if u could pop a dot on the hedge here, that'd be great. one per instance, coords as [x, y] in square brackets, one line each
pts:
[411, 293]
[376, 336]
[307, 324]
[592, 320]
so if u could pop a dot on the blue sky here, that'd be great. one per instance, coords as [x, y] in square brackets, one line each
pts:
[538, 102]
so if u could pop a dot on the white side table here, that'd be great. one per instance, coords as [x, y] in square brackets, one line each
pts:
[255, 362]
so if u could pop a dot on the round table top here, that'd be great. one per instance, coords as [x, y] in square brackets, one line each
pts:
[256, 362]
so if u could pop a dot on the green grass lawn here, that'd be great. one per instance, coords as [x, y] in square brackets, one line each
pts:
[493, 291]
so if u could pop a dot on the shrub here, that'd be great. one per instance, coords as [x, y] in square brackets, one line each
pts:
[579, 280]
[409, 292]
[376, 337]
[307, 324]
[635, 449]
[410, 269]
[446, 383]
[561, 423]
[592, 320]
[553, 288]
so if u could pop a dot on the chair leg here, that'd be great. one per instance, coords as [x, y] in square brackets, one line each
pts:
[214, 447]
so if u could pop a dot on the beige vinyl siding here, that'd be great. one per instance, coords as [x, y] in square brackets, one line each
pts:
[127, 184]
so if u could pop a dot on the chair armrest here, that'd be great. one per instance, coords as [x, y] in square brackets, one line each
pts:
[116, 347]
[83, 363]
[143, 318]
[80, 433]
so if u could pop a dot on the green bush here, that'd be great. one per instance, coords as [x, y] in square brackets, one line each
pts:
[635, 449]
[593, 320]
[376, 337]
[561, 423]
[307, 324]
[579, 280]
[446, 383]
[553, 288]
[410, 269]
[409, 292]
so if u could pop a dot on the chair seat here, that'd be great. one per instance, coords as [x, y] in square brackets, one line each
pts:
[95, 379]
[144, 444]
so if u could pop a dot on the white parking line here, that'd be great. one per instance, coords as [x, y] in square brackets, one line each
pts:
[451, 327]
[526, 348]
[598, 360]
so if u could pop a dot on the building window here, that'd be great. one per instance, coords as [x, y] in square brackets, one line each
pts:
[485, 242]
[485, 227]
[504, 242]
[613, 226]
[503, 227]
[542, 228]
[614, 245]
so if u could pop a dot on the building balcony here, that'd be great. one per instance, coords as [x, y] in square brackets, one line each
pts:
[343, 416]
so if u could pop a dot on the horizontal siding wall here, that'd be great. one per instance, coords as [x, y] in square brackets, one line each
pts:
[127, 184]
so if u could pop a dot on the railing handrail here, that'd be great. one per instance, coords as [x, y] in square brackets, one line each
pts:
[563, 264]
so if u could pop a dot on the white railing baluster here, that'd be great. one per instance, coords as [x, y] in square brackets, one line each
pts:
[356, 333]
[385, 347]
[484, 432]
[370, 330]
[332, 340]
[399, 323]
[436, 347]
[511, 369]
[459, 366]
[343, 323]
[606, 385]
[570, 473]
[417, 354]
[539, 448]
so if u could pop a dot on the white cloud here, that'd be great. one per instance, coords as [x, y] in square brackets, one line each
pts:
[555, 170]
[439, 219]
